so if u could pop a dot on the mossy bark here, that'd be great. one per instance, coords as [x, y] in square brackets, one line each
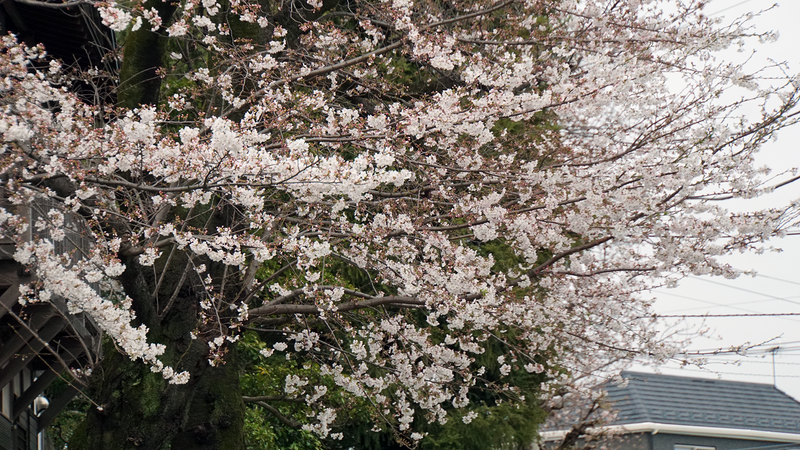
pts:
[142, 57]
[138, 409]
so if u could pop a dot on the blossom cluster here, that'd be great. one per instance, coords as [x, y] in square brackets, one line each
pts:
[521, 183]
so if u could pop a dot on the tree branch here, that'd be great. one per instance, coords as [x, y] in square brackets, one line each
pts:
[538, 269]
[272, 398]
[394, 300]
[64, 5]
[289, 422]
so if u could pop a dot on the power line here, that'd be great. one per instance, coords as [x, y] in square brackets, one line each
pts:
[722, 305]
[742, 374]
[777, 279]
[729, 8]
[686, 316]
[749, 349]
[750, 361]
[744, 290]
[705, 301]
[770, 343]
[764, 352]
[751, 292]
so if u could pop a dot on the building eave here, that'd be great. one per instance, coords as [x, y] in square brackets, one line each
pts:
[691, 430]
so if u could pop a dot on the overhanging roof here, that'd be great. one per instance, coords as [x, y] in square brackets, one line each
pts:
[655, 403]
[685, 430]
[666, 399]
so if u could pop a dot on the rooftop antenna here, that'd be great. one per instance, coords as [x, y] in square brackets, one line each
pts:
[774, 350]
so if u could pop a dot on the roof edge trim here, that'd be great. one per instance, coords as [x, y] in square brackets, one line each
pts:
[692, 430]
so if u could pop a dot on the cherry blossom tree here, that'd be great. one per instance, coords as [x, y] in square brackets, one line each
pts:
[380, 190]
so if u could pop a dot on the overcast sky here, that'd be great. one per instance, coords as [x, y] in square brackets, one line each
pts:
[776, 288]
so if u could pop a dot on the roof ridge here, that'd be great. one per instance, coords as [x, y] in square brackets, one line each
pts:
[695, 378]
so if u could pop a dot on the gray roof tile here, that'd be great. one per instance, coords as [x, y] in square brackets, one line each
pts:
[677, 400]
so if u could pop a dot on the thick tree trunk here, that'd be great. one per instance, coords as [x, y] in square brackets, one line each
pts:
[143, 55]
[138, 409]
[141, 410]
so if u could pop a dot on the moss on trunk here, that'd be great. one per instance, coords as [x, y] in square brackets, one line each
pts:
[143, 55]
[140, 410]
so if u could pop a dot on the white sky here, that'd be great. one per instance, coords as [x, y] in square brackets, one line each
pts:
[776, 288]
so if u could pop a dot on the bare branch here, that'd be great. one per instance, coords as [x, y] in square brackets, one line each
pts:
[393, 300]
[272, 398]
[289, 422]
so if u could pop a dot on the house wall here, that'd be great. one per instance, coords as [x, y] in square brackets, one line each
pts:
[637, 441]
[665, 441]
[21, 434]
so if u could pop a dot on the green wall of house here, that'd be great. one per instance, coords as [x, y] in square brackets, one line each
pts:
[664, 441]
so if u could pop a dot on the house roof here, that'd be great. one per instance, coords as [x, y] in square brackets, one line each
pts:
[698, 402]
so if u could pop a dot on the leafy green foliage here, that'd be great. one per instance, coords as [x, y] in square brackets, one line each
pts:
[265, 376]
[64, 424]
[262, 432]
[505, 426]
[494, 420]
